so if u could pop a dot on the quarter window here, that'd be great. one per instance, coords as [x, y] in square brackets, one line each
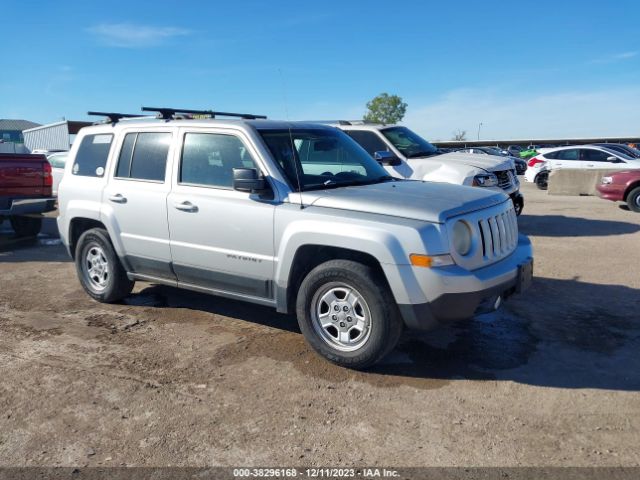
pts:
[92, 155]
[209, 159]
[144, 156]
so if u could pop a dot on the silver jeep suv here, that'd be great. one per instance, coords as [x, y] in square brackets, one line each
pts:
[296, 216]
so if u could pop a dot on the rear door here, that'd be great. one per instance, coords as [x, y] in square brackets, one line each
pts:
[136, 199]
[568, 158]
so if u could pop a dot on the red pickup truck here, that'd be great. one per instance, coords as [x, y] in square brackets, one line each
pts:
[25, 191]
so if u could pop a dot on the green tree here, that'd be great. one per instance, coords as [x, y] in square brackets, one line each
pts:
[385, 109]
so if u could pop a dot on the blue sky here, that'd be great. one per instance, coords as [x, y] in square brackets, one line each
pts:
[523, 69]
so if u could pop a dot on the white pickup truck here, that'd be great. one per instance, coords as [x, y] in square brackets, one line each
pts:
[405, 154]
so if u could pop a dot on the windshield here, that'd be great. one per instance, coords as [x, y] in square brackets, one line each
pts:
[323, 158]
[409, 144]
[494, 151]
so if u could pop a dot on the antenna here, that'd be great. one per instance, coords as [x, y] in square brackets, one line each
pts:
[293, 146]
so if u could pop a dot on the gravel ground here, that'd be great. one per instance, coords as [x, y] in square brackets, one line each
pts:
[176, 378]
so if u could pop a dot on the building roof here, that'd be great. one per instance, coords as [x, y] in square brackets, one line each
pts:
[16, 125]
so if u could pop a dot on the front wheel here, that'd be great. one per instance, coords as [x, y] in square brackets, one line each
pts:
[99, 268]
[347, 313]
[633, 200]
[26, 226]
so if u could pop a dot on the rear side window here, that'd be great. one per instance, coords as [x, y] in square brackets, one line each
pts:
[368, 140]
[144, 156]
[571, 154]
[92, 155]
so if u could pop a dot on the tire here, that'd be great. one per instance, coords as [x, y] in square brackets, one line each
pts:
[542, 180]
[633, 200]
[359, 336]
[518, 206]
[26, 226]
[99, 268]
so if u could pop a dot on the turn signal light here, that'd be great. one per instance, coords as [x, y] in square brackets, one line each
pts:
[428, 261]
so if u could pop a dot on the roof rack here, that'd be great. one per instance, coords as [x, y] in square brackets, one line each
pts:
[113, 117]
[170, 113]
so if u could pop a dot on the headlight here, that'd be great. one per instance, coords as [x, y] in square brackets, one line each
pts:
[485, 180]
[461, 237]
[606, 180]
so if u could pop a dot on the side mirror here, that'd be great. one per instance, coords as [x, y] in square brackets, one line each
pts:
[386, 158]
[612, 159]
[248, 180]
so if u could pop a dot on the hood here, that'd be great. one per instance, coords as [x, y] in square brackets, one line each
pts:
[417, 200]
[490, 163]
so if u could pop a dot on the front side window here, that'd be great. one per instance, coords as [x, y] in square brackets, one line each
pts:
[595, 155]
[321, 158]
[92, 155]
[409, 143]
[209, 159]
[144, 156]
[368, 140]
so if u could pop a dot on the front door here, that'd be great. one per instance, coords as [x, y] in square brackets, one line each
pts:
[221, 239]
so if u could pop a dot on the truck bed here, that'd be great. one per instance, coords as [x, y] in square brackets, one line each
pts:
[23, 177]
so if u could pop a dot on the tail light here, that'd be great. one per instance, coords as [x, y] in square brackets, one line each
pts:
[47, 174]
[535, 160]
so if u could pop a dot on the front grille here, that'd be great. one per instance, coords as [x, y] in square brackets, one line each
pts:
[505, 179]
[499, 234]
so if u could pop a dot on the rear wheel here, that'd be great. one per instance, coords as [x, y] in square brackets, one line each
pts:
[99, 268]
[542, 180]
[26, 226]
[633, 200]
[347, 313]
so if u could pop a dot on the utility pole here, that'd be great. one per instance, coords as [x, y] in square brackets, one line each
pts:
[479, 126]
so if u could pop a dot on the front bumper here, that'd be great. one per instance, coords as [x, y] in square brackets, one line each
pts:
[611, 191]
[463, 294]
[29, 206]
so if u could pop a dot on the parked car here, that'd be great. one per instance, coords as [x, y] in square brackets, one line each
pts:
[520, 164]
[405, 154]
[58, 162]
[580, 157]
[295, 216]
[514, 150]
[621, 148]
[622, 186]
[25, 191]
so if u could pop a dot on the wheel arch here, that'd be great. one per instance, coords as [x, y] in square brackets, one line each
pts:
[309, 256]
[79, 225]
[632, 186]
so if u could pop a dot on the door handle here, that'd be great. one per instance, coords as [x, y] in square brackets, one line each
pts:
[118, 198]
[589, 164]
[185, 207]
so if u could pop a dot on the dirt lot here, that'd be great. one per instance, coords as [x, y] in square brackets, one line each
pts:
[177, 378]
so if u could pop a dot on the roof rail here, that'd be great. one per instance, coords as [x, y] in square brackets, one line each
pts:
[170, 113]
[113, 117]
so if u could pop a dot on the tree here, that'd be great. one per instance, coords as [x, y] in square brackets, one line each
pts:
[385, 109]
[459, 135]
